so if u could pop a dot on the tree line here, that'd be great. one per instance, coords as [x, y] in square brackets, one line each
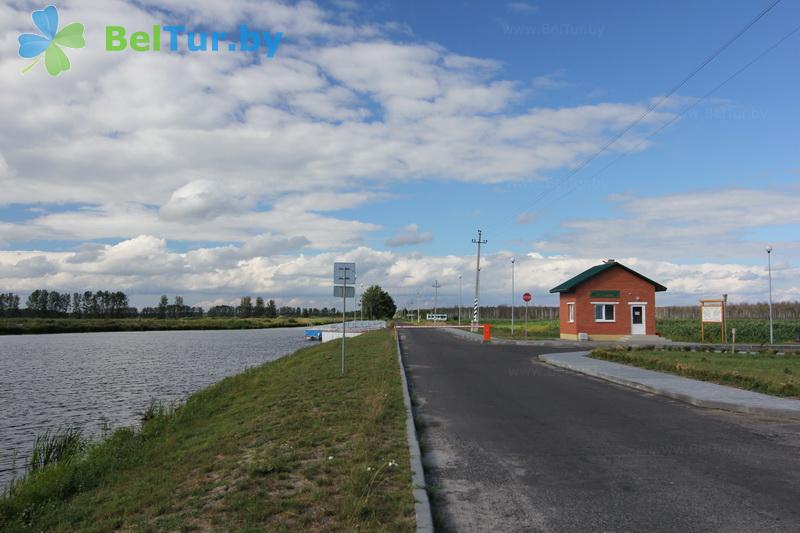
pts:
[43, 303]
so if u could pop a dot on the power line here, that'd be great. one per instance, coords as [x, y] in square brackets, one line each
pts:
[683, 112]
[657, 103]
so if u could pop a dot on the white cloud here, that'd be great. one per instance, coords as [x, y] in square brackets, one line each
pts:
[145, 266]
[410, 235]
[712, 223]
[522, 7]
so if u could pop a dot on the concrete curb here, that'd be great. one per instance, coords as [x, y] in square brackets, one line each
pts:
[669, 392]
[422, 504]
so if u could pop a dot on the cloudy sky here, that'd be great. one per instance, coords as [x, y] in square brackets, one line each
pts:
[387, 133]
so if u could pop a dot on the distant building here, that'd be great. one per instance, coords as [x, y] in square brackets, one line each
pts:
[607, 302]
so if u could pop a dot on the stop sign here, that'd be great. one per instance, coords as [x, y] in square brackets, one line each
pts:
[527, 297]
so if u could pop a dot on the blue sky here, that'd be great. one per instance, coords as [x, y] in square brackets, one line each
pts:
[388, 133]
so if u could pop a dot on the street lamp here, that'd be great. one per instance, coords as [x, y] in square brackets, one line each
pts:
[513, 292]
[459, 299]
[769, 267]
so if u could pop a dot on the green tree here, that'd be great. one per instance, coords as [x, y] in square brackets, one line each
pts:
[272, 310]
[260, 310]
[162, 306]
[377, 303]
[246, 307]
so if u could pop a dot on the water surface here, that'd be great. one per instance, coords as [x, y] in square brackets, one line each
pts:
[92, 380]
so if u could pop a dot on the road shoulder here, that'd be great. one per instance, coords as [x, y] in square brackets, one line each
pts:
[698, 393]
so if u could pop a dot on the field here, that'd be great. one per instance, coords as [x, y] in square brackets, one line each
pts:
[287, 446]
[748, 330]
[778, 375]
[22, 326]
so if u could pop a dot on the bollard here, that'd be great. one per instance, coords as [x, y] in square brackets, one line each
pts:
[487, 332]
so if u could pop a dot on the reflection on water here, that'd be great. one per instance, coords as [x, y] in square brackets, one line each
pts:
[89, 380]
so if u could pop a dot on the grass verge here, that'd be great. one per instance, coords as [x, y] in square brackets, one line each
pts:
[23, 326]
[287, 446]
[778, 375]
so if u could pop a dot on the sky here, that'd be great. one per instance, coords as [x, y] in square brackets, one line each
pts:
[387, 133]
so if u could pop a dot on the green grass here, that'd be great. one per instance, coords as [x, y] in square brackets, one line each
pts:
[778, 375]
[287, 446]
[21, 326]
[748, 330]
[537, 329]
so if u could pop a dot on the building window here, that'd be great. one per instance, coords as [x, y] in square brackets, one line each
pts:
[571, 311]
[604, 312]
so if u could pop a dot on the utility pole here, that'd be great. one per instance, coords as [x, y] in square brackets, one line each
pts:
[435, 286]
[417, 307]
[769, 265]
[476, 303]
[459, 299]
[513, 293]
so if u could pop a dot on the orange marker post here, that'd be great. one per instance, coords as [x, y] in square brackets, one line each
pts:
[487, 332]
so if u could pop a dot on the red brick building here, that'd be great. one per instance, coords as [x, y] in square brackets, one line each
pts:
[608, 302]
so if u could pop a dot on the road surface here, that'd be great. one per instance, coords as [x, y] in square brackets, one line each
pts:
[511, 444]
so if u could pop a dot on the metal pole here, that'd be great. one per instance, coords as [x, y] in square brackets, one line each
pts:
[459, 299]
[344, 318]
[769, 265]
[526, 320]
[435, 286]
[476, 303]
[362, 302]
[417, 307]
[512, 296]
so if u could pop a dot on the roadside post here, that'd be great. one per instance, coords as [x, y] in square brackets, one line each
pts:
[344, 279]
[527, 298]
[733, 340]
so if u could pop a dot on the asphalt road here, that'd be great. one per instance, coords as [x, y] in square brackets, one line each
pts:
[511, 444]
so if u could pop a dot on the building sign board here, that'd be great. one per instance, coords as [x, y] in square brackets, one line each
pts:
[605, 294]
[712, 313]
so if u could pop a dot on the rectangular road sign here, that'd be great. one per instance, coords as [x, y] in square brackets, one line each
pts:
[338, 291]
[344, 273]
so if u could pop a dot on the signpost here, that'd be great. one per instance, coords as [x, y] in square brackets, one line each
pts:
[344, 274]
[712, 312]
[526, 298]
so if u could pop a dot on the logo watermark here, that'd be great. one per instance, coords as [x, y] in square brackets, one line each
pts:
[175, 38]
[191, 41]
[51, 40]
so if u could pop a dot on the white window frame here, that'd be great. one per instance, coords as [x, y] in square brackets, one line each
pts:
[571, 312]
[604, 311]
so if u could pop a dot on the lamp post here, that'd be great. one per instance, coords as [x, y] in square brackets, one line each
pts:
[459, 299]
[513, 292]
[769, 267]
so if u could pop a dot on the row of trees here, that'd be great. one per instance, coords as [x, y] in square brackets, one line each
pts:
[107, 304]
[44, 303]
[9, 302]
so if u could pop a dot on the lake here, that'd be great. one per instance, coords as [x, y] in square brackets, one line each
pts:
[97, 380]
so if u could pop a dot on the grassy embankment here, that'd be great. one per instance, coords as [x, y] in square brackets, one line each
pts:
[287, 446]
[778, 375]
[21, 326]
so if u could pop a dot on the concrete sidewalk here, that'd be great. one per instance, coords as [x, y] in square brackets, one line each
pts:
[699, 393]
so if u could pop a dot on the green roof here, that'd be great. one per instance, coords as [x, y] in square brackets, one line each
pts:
[595, 270]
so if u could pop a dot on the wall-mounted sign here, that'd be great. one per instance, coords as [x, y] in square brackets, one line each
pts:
[604, 294]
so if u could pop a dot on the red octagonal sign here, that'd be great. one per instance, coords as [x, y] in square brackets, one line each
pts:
[527, 297]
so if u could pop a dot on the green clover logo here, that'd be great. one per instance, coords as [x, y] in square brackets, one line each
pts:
[50, 42]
